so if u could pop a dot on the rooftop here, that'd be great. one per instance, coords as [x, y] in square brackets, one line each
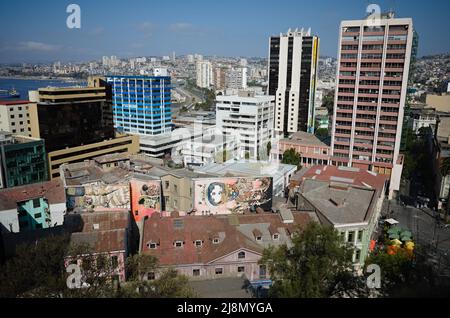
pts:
[231, 233]
[352, 176]
[303, 138]
[340, 203]
[53, 191]
[15, 102]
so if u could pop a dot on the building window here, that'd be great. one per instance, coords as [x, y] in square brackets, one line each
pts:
[262, 271]
[178, 244]
[38, 215]
[241, 255]
[216, 241]
[152, 245]
[258, 238]
[276, 236]
[151, 276]
[175, 188]
[114, 261]
[351, 237]
[357, 256]
[360, 235]
[241, 269]
[36, 203]
[198, 243]
[195, 272]
[219, 271]
[167, 184]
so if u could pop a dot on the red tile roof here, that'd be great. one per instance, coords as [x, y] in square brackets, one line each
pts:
[354, 176]
[53, 191]
[15, 102]
[228, 229]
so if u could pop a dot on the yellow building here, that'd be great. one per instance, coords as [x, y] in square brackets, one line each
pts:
[76, 124]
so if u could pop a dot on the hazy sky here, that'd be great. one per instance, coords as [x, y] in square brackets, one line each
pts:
[36, 31]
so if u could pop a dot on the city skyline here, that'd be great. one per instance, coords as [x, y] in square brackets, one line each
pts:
[155, 30]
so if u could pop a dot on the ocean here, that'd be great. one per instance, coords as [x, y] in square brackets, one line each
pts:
[25, 85]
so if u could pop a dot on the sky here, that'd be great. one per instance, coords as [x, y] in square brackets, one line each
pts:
[36, 31]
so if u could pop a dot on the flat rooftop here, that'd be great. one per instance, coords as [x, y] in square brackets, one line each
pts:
[303, 138]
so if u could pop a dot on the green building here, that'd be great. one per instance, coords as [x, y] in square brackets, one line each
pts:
[23, 160]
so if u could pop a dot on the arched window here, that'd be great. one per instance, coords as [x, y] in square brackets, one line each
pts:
[241, 255]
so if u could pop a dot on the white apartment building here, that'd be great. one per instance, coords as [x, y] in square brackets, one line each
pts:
[204, 74]
[14, 117]
[236, 78]
[249, 118]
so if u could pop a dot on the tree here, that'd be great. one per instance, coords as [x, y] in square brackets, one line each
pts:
[291, 157]
[328, 102]
[312, 267]
[322, 133]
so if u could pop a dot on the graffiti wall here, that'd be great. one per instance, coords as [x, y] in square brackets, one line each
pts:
[232, 195]
[98, 194]
[145, 197]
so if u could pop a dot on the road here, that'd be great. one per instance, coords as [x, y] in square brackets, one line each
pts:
[427, 232]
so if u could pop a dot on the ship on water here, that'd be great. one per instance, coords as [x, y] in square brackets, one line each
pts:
[9, 93]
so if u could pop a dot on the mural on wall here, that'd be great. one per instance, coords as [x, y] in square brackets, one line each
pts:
[145, 197]
[232, 195]
[98, 194]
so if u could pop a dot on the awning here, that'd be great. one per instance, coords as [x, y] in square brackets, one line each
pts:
[392, 222]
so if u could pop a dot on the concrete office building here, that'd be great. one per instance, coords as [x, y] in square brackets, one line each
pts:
[23, 160]
[14, 117]
[236, 78]
[249, 118]
[372, 79]
[76, 124]
[204, 74]
[293, 65]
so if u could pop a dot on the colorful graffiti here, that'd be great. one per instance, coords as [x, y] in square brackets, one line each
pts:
[232, 195]
[145, 197]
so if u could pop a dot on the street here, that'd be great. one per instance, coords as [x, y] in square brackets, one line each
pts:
[427, 232]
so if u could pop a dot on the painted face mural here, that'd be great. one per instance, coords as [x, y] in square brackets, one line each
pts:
[232, 195]
[146, 198]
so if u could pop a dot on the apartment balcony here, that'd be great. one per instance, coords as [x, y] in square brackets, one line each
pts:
[398, 42]
[379, 155]
[346, 94]
[370, 138]
[370, 69]
[398, 88]
[398, 32]
[353, 60]
[385, 122]
[345, 119]
[374, 33]
[396, 51]
[387, 131]
[384, 139]
[371, 60]
[373, 51]
[366, 121]
[347, 77]
[350, 34]
[363, 153]
[388, 148]
[389, 78]
[342, 143]
[368, 95]
[354, 42]
[366, 42]
[394, 69]
[342, 135]
[348, 69]
[366, 129]
[393, 105]
[369, 86]
[369, 78]
[399, 60]
[389, 114]
[346, 85]
[346, 127]
[360, 145]
[349, 51]
[342, 151]
[344, 111]
[373, 104]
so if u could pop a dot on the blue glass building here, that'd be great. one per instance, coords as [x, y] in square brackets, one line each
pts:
[141, 104]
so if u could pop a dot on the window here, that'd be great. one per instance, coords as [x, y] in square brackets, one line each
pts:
[167, 184]
[276, 236]
[198, 243]
[216, 241]
[219, 271]
[195, 272]
[114, 261]
[262, 271]
[357, 256]
[152, 245]
[38, 215]
[178, 244]
[175, 188]
[241, 255]
[36, 203]
[151, 276]
[258, 238]
[241, 269]
[360, 235]
[351, 237]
